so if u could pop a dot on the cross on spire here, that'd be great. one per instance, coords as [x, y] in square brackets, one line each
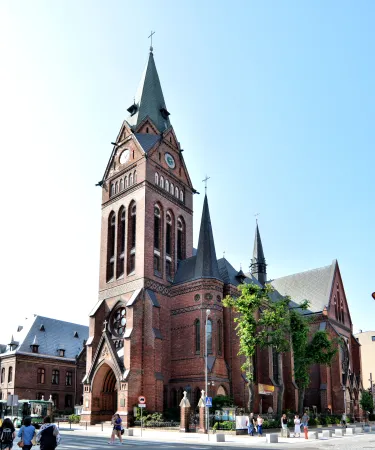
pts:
[105, 325]
[256, 217]
[205, 183]
[150, 37]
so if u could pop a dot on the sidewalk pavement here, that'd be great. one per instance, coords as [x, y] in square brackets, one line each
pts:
[198, 438]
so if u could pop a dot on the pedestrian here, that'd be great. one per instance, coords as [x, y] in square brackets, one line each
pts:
[48, 436]
[117, 427]
[305, 423]
[26, 433]
[7, 434]
[250, 425]
[260, 425]
[297, 426]
[284, 426]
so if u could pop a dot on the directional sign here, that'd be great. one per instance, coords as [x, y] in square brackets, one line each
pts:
[141, 405]
[209, 401]
[141, 399]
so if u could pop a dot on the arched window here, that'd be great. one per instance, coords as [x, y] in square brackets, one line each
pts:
[41, 376]
[209, 336]
[10, 374]
[132, 226]
[135, 177]
[167, 185]
[157, 238]
[2, 375]
[116, 187]
[182, 195]
[180, 239]
[197, 395]
[162, 182]
[219, 337]
[131, 179]
[197, 326]
[174, 398]
[126, 182]
[121, 184]
[169, 245]
[171, 189]
[68, 401]
[112, 189]
[176, 192]
[111, 238]
[120, 266]
[156, 178]
[55, 376]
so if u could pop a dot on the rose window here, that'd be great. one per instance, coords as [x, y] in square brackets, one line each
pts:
[119, 321]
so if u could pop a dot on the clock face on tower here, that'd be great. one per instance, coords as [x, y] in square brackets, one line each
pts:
[124, 157]
[170, 160]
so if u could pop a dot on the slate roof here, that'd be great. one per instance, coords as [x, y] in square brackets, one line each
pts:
[229, 274]
[147, 141]
[204, 264]
[149, 99]
[58, 334]
[258, 254]
[313, 285]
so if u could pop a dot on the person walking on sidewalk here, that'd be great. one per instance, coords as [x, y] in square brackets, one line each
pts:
[260, 425]
[284, 426]
[48, 436]
[250, 425]
[297, 426]
[26, 433]
[117, 426]
[305, 423]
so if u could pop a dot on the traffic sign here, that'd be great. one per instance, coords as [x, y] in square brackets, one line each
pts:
[209, 401]
[141, 405]
[141, 399]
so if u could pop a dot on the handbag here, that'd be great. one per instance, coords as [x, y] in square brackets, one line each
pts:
[20, 443]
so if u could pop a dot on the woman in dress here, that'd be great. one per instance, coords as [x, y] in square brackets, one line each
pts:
[297, 426]
[48, 436]
[117, 425]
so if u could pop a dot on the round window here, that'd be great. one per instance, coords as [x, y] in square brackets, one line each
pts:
[119, 321]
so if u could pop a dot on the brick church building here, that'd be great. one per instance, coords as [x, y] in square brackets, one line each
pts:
[147, 330]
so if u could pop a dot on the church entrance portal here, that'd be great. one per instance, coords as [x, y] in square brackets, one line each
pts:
[104, 393]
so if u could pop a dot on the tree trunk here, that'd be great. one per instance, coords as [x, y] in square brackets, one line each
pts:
[301, 398]
[280, 397]
[250, 386]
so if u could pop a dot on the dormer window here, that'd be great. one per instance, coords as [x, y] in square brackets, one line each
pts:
[61, 352]
[164, 113]
[42, 328]
[35, 346]
[132, 109]
[76, 334]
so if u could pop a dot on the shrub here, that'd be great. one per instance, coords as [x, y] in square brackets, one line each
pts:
[74, 418]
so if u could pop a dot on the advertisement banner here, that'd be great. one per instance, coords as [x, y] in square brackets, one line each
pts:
[265, 389]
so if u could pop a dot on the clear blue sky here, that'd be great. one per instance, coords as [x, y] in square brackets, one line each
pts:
[274, 100]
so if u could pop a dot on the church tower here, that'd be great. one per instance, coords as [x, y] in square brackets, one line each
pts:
[258, 263]
[147, 207]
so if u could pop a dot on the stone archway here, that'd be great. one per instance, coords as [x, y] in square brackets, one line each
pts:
[104, 393]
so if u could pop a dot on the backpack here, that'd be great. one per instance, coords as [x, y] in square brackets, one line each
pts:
[6, 435]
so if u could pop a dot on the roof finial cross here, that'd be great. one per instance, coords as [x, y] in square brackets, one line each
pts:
[205, 183]
[256, 217]
[105, 325]
[152, 33]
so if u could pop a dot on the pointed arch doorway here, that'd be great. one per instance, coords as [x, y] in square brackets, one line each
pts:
[104, 392]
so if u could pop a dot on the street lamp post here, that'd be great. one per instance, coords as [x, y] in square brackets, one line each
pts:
[206, 371]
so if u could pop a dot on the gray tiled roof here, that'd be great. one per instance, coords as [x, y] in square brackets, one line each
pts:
[57, 334]
[147, 141]
[149, 99]
[313, 285]
[228, 274]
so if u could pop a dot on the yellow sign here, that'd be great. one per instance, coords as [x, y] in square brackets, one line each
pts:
[265, 389]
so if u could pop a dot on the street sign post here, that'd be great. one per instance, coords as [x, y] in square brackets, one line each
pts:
[141, 404]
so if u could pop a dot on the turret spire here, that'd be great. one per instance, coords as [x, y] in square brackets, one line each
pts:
[149, 99]
[258, 263]
[206, 262]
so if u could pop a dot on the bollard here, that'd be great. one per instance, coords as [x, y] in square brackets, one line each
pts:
[86, 426]
[272, 438]
[58, 424]
[306, 432]
[102, 426]
[70, 424]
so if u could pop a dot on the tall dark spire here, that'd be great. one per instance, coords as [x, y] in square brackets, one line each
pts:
[206, 262]
[149, 99]
[258, 263]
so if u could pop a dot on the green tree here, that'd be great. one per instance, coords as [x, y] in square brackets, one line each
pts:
[261, 322]
[366, 401]
[319, 350]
